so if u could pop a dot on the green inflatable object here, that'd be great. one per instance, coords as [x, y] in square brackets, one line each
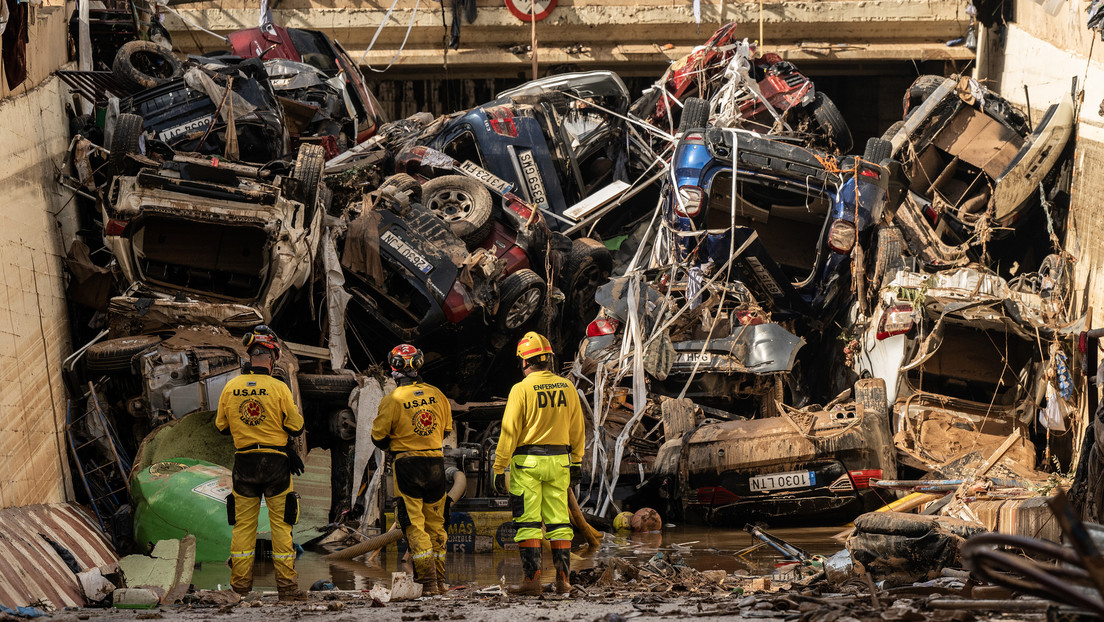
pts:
[181, 496]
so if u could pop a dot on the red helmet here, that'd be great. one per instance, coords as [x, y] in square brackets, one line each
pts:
[406, 359]
[262, 336]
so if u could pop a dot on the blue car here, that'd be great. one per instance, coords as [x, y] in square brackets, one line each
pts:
[793, 219]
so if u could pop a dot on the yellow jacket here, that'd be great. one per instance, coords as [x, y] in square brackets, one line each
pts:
[257, 409]
[543, 409]
[415, 416]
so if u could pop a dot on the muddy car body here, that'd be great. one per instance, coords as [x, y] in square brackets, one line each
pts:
[974, 162]
[189, 114]
[796, 468]
[215, 231]
[546, 141]
[959, 350]
[798, 220]
[316, 49]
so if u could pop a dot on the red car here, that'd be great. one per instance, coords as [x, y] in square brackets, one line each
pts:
[316, 49]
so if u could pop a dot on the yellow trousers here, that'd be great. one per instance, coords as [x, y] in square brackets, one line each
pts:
[420, 508]
[244, 542]
[538, 494]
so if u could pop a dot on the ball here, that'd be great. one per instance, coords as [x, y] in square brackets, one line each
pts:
[646, 519]
[623, 521]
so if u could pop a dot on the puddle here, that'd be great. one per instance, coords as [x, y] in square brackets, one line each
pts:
[700, 547]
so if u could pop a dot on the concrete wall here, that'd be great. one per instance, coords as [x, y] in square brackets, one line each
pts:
[34, 328]
[1044, 52]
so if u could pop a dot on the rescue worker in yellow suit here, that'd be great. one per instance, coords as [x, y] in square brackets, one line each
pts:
[542, 444]
[258, 411]
[412, 423]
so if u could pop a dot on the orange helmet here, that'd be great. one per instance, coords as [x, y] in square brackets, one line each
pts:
[533, 344]
[406, 359]
[262, 336]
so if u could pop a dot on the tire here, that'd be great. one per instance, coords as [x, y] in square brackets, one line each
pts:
[871, 393]
[145, 65]
[308, 172]
[464, 204]
[832, 123]
[695, 114]
[918, 91]
[125, 141]
[402, 182]
[521, 296]
[587, 267]
[326, 385]
[877, 149]
[116, 354]
[889, 256]
[892, 131]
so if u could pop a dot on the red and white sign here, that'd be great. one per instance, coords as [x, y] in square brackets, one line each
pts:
[527, 10]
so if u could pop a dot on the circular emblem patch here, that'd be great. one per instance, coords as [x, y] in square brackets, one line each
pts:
[424, 423]
[251, 412]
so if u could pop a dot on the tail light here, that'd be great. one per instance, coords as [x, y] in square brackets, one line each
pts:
[866, 172]
[458, 303]
[713, 495]
[115, 227]
[863, 477]
[502, 121]
[897, 320]
[690, 200]
[602, 326]
[931, 214]
[842, 236]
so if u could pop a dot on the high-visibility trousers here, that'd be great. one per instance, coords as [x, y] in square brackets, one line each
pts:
[538, 494]
[267, 475]
[420, 507]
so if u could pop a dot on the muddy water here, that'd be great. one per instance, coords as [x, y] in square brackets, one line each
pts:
[700, 547]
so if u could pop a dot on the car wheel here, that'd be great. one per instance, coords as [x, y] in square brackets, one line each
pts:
[877, 149]
[126, 140]
[326, 386]
[402, 182]
[889, 257]
[587, 267]
[918, 91]
[116, 354]
[831, 123]
[145, 64]
[520, 298]
[464, 204]
[695, 114]
[308, 174]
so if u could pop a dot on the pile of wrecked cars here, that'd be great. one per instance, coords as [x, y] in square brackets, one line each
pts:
[763, 325]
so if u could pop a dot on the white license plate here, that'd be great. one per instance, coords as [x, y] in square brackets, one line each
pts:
[482, 175]
[782, 481]
[533, 181]
[694, 358]
[404, 249]
[184, 128]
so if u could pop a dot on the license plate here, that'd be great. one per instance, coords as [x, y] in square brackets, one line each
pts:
[485, 177]
[694, 358]
[533, 181]
[408, 253]
[782, 481]
[184, 128]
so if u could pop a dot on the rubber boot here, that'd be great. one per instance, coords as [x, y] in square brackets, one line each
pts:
[439, 565]
[425, 572]
[291, 595]
[561, 561]
[531, 560]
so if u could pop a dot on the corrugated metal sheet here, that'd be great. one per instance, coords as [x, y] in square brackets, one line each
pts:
[31, 570]
[95, 86]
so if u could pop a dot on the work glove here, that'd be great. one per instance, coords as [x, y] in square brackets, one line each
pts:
[297, 466]
[500, 484]
[576, 474]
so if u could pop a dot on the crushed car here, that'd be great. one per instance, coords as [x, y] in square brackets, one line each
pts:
[977, 168]
[967, 358]
[204, 229]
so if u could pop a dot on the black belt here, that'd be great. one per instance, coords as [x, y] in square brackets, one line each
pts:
[542, 450]
[281, 448]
